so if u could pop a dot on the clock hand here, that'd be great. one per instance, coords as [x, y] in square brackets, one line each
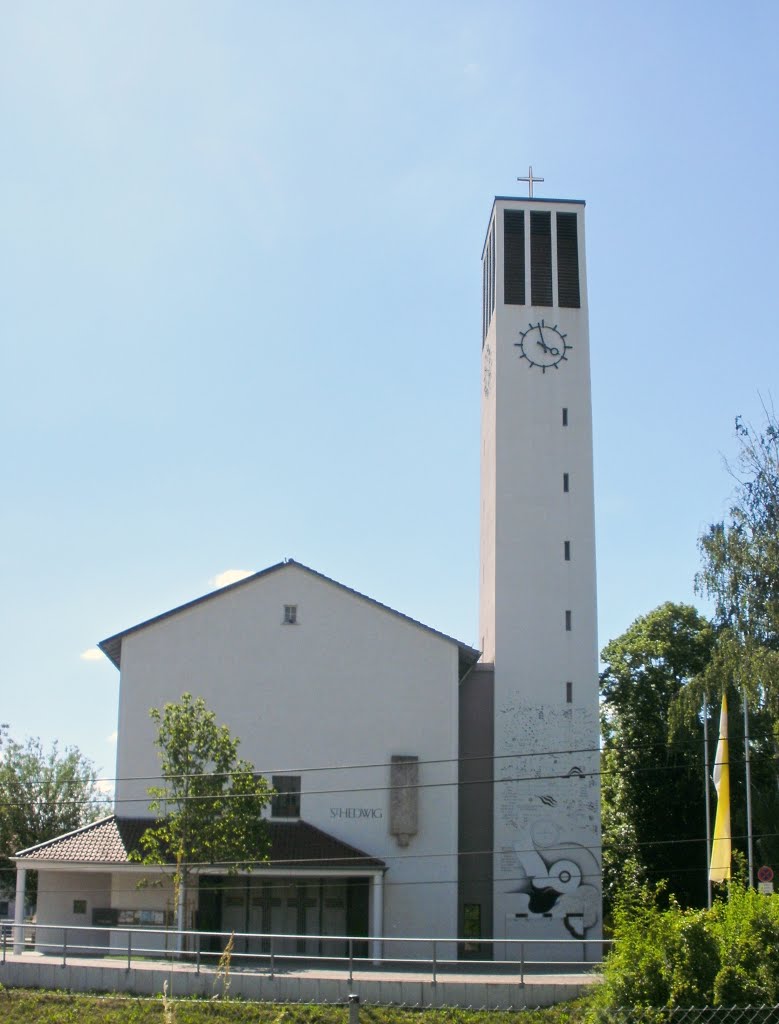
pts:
[542, 343]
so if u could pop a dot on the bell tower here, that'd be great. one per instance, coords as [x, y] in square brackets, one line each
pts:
[537, 607]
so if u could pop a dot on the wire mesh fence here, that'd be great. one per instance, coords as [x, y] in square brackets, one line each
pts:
[691, 1015]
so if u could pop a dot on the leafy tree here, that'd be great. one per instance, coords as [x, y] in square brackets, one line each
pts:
[741, 553]
[209, 809]
[653, 777]
[740, 572]
[42, 795]
[740, 568]
[722, 675]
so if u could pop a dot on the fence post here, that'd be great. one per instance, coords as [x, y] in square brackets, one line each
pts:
[522, 964]
[272, 969]
[435, 964]
[197, 958]
[64, 947]
[129, 949]
[351, 961]
[354, 1008]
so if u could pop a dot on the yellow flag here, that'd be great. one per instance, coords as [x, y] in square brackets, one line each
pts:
[719, 871]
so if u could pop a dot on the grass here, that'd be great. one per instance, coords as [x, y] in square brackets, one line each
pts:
[34, 1006]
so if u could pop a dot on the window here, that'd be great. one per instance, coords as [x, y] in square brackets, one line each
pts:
[79, 906]
[540, 258]
[566, 482]
[568, 621]
[565, 417]
[514, 257]
[3, 908]
[290, 614]
[567, 261]
[471, 926]
[286, 802]
[569, 693]
[567, 550]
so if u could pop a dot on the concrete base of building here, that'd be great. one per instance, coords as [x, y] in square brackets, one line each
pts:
[386, 988]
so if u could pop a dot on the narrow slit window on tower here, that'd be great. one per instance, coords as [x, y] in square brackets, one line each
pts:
[569, 693]
[568, 261]
[565, 417]
[567, 550]
[540, 258]
[566, 483]
[514, 257]
[568, 620]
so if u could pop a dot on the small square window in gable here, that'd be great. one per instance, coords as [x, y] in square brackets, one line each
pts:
[290, 615]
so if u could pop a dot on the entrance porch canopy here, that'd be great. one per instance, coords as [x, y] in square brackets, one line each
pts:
[297, 850]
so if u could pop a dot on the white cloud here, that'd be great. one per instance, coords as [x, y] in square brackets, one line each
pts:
[105, 786]
[224, 579]
[91, 654]
[111, 738]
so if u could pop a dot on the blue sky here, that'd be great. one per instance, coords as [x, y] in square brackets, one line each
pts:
[240, 298]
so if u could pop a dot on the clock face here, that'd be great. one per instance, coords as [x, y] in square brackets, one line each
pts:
[543, 346]
[487, 371]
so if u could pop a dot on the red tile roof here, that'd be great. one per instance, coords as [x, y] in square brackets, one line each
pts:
[293, 844]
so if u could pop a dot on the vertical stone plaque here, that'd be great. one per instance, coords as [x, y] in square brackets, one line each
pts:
[404, 797]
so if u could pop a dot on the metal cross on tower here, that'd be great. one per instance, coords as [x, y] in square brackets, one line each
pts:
[530, 179]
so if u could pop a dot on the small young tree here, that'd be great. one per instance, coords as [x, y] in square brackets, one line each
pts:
[209, 808]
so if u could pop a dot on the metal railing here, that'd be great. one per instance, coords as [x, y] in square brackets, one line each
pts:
[272, 954]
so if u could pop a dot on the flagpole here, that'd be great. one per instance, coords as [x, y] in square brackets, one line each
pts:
[748, 780]
[707, 793]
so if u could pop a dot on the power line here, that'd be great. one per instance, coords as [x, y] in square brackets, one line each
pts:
[671, 746]
[179, 799]
[512, 755]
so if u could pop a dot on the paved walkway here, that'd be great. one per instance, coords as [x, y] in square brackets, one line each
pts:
[455, 985]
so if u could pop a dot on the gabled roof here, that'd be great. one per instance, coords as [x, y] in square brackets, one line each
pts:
[293, 844]
[112, 646]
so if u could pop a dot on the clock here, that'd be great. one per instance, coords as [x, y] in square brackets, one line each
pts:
[543, 346]
[487, 371]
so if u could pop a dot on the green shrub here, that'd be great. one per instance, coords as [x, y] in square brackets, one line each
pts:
[665, 956]
[746, 928]
[662, 956]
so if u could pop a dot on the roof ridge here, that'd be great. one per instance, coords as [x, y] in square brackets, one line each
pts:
[112, 645]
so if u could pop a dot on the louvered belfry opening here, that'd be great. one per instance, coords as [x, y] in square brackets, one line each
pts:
[540, 258]
[568, 261]
[488, 282]
[514, 257]
[548, 239]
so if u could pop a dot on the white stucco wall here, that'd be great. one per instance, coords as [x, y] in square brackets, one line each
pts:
[57, 891]
[144, 889]
[331, 698]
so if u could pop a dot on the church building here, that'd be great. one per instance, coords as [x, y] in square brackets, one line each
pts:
[423, 788]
